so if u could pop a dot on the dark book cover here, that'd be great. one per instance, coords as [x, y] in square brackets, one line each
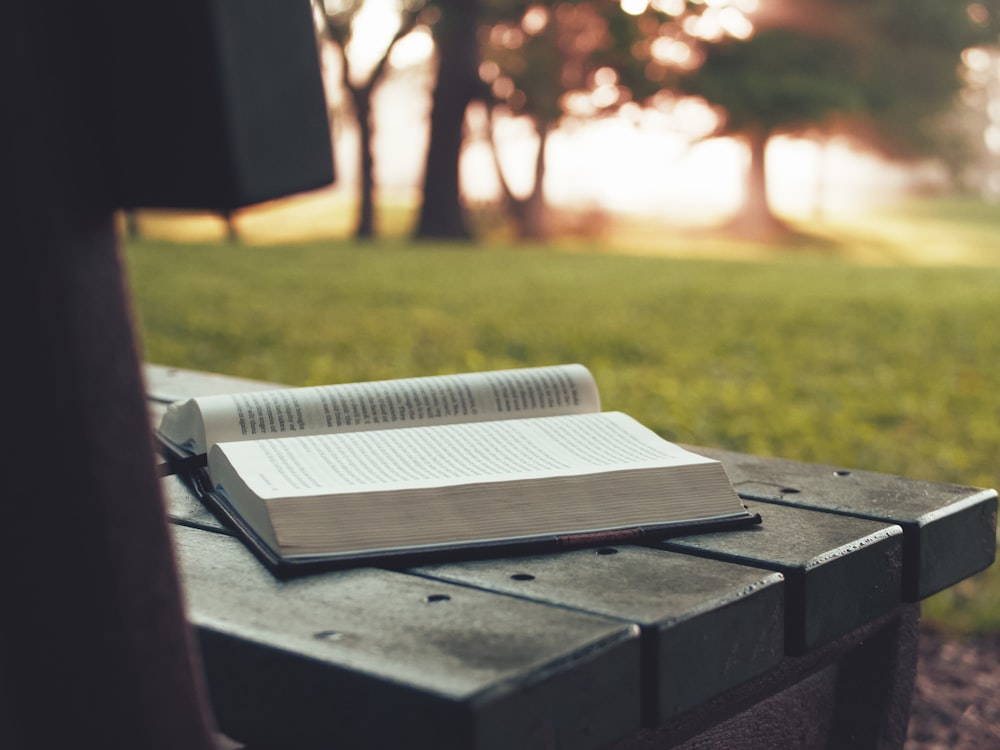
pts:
[193, 471]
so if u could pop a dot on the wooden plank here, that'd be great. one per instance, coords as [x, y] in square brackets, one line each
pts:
[949, 531]
[840, 572]
[373, 659]
[707, 625]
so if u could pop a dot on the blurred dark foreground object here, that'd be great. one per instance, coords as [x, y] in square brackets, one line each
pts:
[198, 104]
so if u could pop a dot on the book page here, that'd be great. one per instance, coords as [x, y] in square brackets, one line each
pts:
[466, 483]
[446, 455]
[473, 397]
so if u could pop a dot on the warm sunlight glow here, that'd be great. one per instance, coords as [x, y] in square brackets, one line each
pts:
[578, 104]
[978, 13]
[605, 77]
[535, 19]
[976, 59]
[735, 23]
[992, 139]
[706, 26]
[605, 96]
[371, 33]
[671, 52]
[649, 160]
[979, 66]
[503, 87]
[489, 71]
[635, 7]
[670, 7]
[712, 8]
[415, 48]
[506, 36]
[693, 117]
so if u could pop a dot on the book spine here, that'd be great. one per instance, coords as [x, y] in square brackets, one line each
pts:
[616, 536]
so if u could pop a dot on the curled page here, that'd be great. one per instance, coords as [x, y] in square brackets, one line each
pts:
[197, 424]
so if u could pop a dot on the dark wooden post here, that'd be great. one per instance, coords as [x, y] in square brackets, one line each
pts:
[198, 103]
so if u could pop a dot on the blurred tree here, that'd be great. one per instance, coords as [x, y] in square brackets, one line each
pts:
[910, 66]
[338, 21]
[884, 71]
[778, 81]
[545, 62]
[441, 212]
[549, 62]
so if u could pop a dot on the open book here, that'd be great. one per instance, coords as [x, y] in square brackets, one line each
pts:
[490, 461]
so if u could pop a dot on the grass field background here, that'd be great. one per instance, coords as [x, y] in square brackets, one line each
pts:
[872, 345]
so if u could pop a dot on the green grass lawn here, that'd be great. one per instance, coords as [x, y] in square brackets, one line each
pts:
[892, 369]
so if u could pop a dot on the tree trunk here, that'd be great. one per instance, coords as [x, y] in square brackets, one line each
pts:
[441, 212]
[528, 214]
[822, 184]
[232, 233]
[362, 98]
[531, 212]
[755, 219]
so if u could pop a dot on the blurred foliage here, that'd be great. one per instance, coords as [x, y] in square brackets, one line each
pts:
[553, 62]
[778, 80]
[885, 72]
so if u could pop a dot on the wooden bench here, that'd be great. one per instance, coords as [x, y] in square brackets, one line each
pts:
[799, 633]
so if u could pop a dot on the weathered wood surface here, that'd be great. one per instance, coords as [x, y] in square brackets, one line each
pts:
[854, 692]
[840, 572]
[374, 658]
[949, 531]
[707, 625]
